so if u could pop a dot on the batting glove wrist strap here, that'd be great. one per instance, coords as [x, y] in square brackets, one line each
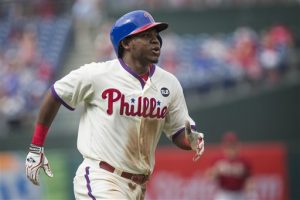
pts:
[36, 149]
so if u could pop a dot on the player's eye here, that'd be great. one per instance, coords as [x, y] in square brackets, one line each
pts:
[148, 34]
[145, 35]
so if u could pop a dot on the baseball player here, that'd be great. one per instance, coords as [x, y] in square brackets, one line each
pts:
[128, 102]
[231, 171]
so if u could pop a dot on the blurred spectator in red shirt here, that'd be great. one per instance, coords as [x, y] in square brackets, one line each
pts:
[244, 53]
[275, 50]
[281, 35]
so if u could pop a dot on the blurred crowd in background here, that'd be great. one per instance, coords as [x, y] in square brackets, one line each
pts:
[206, 61]
[32, 43]
[35, 35]
[194, 4]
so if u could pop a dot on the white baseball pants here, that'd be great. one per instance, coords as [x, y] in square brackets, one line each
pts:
[91, 183]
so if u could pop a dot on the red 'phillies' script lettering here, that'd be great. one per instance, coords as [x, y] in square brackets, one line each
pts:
[111, 99]
[144, 107]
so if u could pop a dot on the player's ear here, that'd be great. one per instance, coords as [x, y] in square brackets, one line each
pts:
[125, 43]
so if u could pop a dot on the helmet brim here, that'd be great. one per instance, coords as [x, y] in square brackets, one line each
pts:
[159, 26]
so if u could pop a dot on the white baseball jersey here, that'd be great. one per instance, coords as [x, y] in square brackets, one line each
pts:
[123, 115]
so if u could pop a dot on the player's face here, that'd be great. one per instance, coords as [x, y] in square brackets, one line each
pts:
[145, 46]
[231, 151]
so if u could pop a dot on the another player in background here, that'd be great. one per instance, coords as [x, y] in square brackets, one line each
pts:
[231, 171]
[128, 103]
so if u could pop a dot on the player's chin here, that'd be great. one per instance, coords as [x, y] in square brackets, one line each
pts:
[154, 59]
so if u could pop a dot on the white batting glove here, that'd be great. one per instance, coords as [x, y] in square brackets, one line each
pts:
[36, 160]
[195, 139]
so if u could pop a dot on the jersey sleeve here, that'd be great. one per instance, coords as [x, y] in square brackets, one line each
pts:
[74, 88]
[177, 113]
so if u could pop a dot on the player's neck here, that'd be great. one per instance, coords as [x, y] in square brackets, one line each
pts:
[137, 66]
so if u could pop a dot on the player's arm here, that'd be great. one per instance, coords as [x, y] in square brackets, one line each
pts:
[178, 123]
[70, 90]
[36, 158]
[189, 139]
[48, 110]
[181, 141]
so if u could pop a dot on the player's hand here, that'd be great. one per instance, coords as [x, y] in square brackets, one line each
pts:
[36, 160]
[195, 139]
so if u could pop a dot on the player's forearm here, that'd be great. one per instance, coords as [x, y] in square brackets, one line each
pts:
[181, 141]
[47, 113]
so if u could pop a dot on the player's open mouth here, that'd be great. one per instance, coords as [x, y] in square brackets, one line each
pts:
[156, 50]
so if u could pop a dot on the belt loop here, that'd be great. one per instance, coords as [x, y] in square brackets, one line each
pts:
[118, 172]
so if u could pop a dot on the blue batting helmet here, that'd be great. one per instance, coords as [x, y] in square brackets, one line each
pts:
[132, 23]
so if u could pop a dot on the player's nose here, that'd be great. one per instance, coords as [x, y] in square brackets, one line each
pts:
[155, 43]
[154, 38]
